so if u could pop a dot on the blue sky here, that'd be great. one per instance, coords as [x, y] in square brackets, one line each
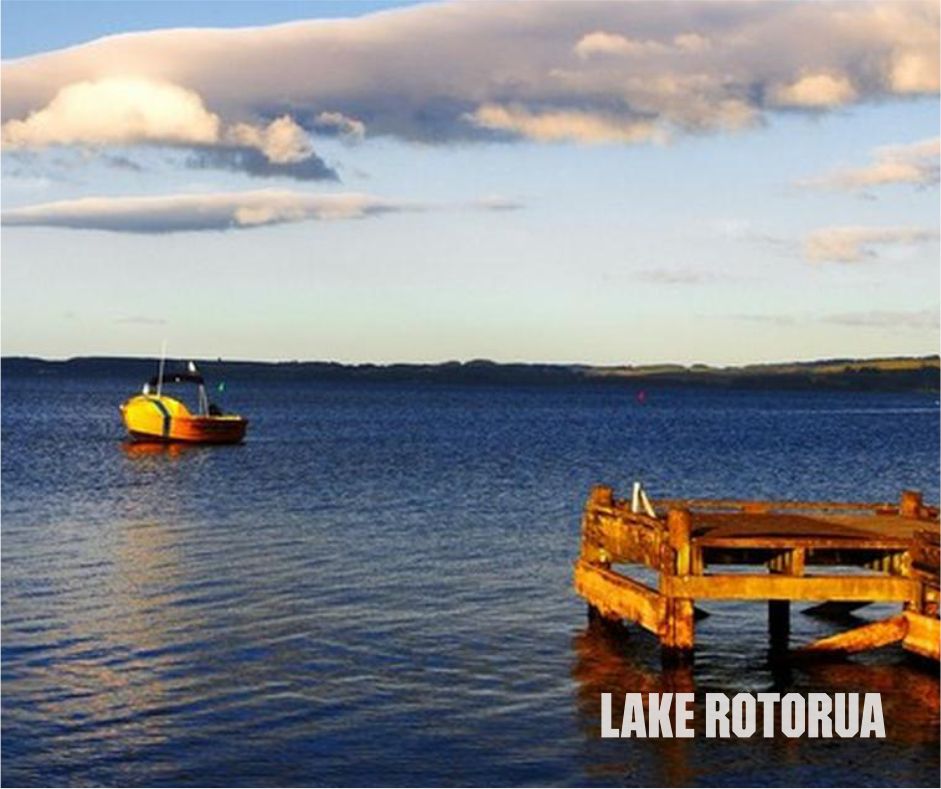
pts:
[557, 182]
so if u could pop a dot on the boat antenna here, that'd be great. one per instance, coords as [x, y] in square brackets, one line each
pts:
[163, 358]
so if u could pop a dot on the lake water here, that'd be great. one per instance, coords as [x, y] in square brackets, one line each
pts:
[375, 588]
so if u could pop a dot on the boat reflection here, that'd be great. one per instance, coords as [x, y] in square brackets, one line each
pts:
[137, 450]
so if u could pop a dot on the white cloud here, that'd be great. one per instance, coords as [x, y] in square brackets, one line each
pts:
[612, 44]
[853, 244]
[916, 163]
[121, 111]
[565, 125]
[282, 141]
[601, 43]
[223, 211]
[116, 111]
[193, 212]
[452, 71]
[815, 91]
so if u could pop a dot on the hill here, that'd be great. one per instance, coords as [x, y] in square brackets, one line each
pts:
[882, 374]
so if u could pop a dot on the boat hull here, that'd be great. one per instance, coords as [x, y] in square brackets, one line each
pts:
[163, 419]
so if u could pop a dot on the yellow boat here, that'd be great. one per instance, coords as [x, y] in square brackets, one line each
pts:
[153, 416]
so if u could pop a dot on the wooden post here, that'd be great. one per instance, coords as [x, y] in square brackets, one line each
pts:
[678, 638]
[910, 505]
[779, 611]
[601, 496]
[779, 624]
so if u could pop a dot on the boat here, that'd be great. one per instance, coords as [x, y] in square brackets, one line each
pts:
[154, 416]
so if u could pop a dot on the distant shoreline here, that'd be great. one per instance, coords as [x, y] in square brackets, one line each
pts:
[901, 374]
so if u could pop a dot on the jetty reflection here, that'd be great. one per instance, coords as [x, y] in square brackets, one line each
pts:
[909, 689]
[611, 659]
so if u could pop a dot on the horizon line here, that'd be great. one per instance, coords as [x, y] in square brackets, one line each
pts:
[480, 359]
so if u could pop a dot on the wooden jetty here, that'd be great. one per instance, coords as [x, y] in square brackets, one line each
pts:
[842, 554]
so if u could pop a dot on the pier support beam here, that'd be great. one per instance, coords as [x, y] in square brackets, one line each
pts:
[779, 625]
[861, 639]
[678, 639]
[779, 611]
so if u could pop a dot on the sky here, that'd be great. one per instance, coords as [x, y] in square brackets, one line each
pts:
[612, 183]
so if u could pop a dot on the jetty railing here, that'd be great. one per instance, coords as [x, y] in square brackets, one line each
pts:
[842, 554]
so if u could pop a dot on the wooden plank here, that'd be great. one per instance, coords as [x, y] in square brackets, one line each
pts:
[923, 636]
[621, 512]
[926, 552]
[866, 543]
[863, 638]
[747, 586]
[741, 505]
[618, 597]
[622, 542]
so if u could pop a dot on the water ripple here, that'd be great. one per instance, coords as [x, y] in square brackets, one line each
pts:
[375, 587]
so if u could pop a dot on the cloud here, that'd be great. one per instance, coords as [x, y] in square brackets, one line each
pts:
[282, 141]
[601, 43]
[193, 212]
[853, 244]
[253, 162]
[815, 91]
[622, 73]
[497, 203]
[675, 276]
[122, 111]
[914, 72]
[336, 123]
[888, 319]
[874, 319]
[116, 111]
[564, 126]
[772, 319]
[121, 162]
[612, 44]
[142, 320]
[916, 163]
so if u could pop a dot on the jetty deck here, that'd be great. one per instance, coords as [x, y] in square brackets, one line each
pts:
[841, 554]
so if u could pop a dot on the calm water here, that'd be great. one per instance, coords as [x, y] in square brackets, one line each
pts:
[375, 587]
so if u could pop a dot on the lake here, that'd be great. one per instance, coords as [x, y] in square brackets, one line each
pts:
[375, 588]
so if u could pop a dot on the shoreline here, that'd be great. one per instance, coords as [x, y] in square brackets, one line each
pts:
[896, 374]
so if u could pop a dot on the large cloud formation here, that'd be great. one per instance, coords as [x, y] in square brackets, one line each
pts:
[614, 73]
[130, 110]
[193, 212]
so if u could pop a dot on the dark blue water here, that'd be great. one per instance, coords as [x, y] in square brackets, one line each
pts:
[375, 587]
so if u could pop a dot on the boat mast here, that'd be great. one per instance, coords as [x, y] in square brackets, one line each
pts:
[163, 358]
[203, 398]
